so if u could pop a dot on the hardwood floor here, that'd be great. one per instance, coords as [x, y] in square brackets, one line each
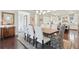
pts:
[11, 43]
[72, 36]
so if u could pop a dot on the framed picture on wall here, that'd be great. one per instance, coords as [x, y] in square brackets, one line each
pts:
[7, 18]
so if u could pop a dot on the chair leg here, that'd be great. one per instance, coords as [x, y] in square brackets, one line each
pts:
[27, 37]
[49, 43]
[29, 40]
[33, 40]
[42, 44]
[24, 37]
[36, 42]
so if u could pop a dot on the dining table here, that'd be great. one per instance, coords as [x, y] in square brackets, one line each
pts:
[49, 31]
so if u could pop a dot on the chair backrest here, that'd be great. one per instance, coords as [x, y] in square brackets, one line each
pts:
[57, 42]
[61, 35]
[30, 31]
[61, 31]
[38, 34]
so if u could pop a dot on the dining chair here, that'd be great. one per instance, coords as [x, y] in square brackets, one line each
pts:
[39, 37]
[30, 34]
[25, 33]
[57, 41]
[61, 35]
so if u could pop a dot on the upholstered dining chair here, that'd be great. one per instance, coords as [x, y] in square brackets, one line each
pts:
[25, 33]
[57, 41]
[30, 33]
[39, 37]
[61, 36]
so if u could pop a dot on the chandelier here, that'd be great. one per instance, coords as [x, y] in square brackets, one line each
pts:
[42, 12]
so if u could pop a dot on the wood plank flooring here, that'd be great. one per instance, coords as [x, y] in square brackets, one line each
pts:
[11, 43]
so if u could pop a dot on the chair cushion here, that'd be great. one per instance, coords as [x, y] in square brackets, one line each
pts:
[54, 43]
[45, 40]
[31, 36]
